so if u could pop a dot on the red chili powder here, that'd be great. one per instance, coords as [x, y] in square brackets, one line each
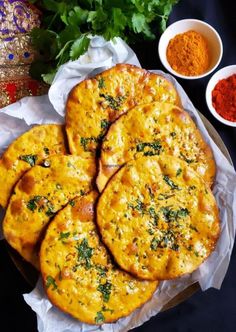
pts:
[224, 98]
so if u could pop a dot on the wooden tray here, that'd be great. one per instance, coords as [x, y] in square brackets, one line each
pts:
[31, 275]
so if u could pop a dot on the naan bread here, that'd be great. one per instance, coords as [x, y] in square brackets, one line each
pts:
[154, 129]
[96, 102]
[78, 273]
[39, 194]
[26, 151]
[162, 220]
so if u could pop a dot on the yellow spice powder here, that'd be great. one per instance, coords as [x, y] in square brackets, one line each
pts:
[188, 54]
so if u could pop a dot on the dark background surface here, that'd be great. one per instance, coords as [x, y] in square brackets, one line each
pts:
[210, 311]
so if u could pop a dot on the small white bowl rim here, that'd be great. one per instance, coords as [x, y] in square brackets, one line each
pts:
[172, 71]
[209, 91]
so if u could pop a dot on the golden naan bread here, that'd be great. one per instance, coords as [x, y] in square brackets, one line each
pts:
[162, 220]
[39, 194]
[94, 103]
[78, 274]
[26, 151]
[154, 129]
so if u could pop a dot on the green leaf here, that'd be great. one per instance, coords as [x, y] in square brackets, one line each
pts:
[98, 19]
[48, 78]
[51, 5]
[47, 42]
[77, 16]
[79, 47]
[67, 22]
[119, 21]
[138, 21]
[139, 24]
[70, 32]
[38, 68]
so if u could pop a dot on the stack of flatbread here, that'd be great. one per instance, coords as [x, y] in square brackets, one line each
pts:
[114, 202]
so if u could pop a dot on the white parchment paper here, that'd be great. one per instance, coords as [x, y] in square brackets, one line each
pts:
[17, 118]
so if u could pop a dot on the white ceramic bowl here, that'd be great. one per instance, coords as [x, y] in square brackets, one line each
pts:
[219, 75]
[212, 37]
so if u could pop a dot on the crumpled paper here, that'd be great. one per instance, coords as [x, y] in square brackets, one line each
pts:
[100, 56]
[18, 117]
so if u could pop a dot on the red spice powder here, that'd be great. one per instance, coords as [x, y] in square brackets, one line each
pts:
[224, 98]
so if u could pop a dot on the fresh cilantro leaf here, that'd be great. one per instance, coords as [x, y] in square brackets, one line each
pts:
[79, 47]
[66, 24]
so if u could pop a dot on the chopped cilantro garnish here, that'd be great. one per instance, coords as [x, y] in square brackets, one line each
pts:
[46, 150]
[139, 206]
[32, 204]
[50, 209]
[114, 102]
[84, 141]
[50, 281]
[192, 187]
[154, 243]
[72, 203]
[99, 318]
[153, 215]
[64, 235]
[173, 215]
[105, 124]
[189, 161]
[149, 148]
[101, 83]
[162, 197]
[85, 253]
[166, 241]
[101, 270]
[183, 212]
[170, 182]
[29, 158]
[105, 289]
[179, 171]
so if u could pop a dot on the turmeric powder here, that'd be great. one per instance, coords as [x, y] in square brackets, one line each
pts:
[188, 54]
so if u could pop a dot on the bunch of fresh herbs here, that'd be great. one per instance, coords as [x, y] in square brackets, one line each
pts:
[66, 25]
